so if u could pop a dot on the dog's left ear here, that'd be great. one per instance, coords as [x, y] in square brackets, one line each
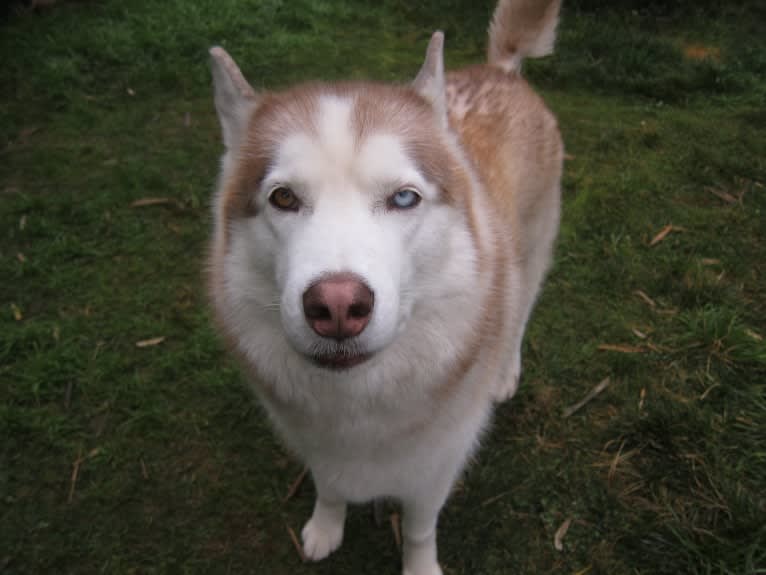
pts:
[429, 82]
[235, 99]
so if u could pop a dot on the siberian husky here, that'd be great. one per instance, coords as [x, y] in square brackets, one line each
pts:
[377, 250]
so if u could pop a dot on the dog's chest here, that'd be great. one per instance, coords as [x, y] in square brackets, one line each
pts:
[367, 452]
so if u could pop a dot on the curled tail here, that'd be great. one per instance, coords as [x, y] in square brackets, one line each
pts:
[522, 28]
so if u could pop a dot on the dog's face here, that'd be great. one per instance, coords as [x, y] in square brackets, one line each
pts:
[335, 201]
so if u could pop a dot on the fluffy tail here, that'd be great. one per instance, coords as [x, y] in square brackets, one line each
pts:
[522, 28]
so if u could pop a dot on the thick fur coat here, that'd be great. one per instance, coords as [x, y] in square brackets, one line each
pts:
[376, 253]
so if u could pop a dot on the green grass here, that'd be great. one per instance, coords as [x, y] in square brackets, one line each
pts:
[105, 103]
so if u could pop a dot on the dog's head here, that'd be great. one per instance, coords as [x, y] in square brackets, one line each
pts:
[342, 210]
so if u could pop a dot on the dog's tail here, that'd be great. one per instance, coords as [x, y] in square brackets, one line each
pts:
[522, 28]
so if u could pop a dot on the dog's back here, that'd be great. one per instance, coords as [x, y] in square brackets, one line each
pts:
[515, 146]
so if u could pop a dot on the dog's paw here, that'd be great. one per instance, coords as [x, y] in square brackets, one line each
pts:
[506, 388]
[321, 537]
[420, 558]
[432, 569]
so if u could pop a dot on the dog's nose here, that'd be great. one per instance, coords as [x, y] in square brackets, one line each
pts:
[338, 306]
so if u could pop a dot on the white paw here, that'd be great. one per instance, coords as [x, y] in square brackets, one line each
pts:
[420, 558]
[321, 537]
[505, 388]
[432, 569]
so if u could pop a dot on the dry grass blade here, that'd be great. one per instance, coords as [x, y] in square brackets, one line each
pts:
[618, 458]
[560, 533]
[295, 485]
[74, 476]
[621, 348]
[150, 342]
[296, 543]
[754, 335]
[645, 298]
[708, 390]
[397, 529]
[591, 394]
[144, 472]
[663, 233]
[76, 470]
[700, 52]
[725, 196]
[494, 498]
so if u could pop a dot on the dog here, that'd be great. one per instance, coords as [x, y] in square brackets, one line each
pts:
[376, 252]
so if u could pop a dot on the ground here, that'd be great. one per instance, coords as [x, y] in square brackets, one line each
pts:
[122, 452]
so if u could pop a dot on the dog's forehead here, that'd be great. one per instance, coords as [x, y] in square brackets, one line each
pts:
[324, 142]
[335, 125]
[336, 146]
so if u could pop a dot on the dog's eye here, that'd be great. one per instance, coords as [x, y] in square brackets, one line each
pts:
[404, 199]
[284, 199]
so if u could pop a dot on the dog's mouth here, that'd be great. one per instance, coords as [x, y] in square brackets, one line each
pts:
[340, 361]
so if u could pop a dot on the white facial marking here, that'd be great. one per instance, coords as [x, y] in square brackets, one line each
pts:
[383, 162]
[307, 158]
[346, 225]
[342, 228]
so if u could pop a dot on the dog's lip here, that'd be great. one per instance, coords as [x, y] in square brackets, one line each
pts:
[341, 360]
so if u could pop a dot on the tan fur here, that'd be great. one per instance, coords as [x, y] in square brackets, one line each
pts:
[521, 28]
[488, 153]
[514, 143]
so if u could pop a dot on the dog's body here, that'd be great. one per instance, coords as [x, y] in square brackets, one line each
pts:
[376, 255]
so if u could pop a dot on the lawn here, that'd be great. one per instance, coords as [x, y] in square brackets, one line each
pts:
[129, 442]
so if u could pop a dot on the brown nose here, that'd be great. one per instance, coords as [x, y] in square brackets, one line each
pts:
[338, 306]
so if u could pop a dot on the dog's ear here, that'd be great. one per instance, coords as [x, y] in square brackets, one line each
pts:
[234, 97]
[429, 82]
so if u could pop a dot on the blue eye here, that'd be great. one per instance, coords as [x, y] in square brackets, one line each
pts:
[404, 199]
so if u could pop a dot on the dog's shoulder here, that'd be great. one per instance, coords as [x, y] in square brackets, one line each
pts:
[510, 135]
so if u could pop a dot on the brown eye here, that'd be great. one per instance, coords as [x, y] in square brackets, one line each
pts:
[284, 199]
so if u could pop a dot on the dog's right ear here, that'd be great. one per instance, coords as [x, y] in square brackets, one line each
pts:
[235, 99]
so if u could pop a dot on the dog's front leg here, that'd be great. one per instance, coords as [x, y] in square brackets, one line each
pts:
[323, 533]
[419, 534]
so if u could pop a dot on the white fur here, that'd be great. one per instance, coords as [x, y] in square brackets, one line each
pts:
[386, 427]
[351, 426]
